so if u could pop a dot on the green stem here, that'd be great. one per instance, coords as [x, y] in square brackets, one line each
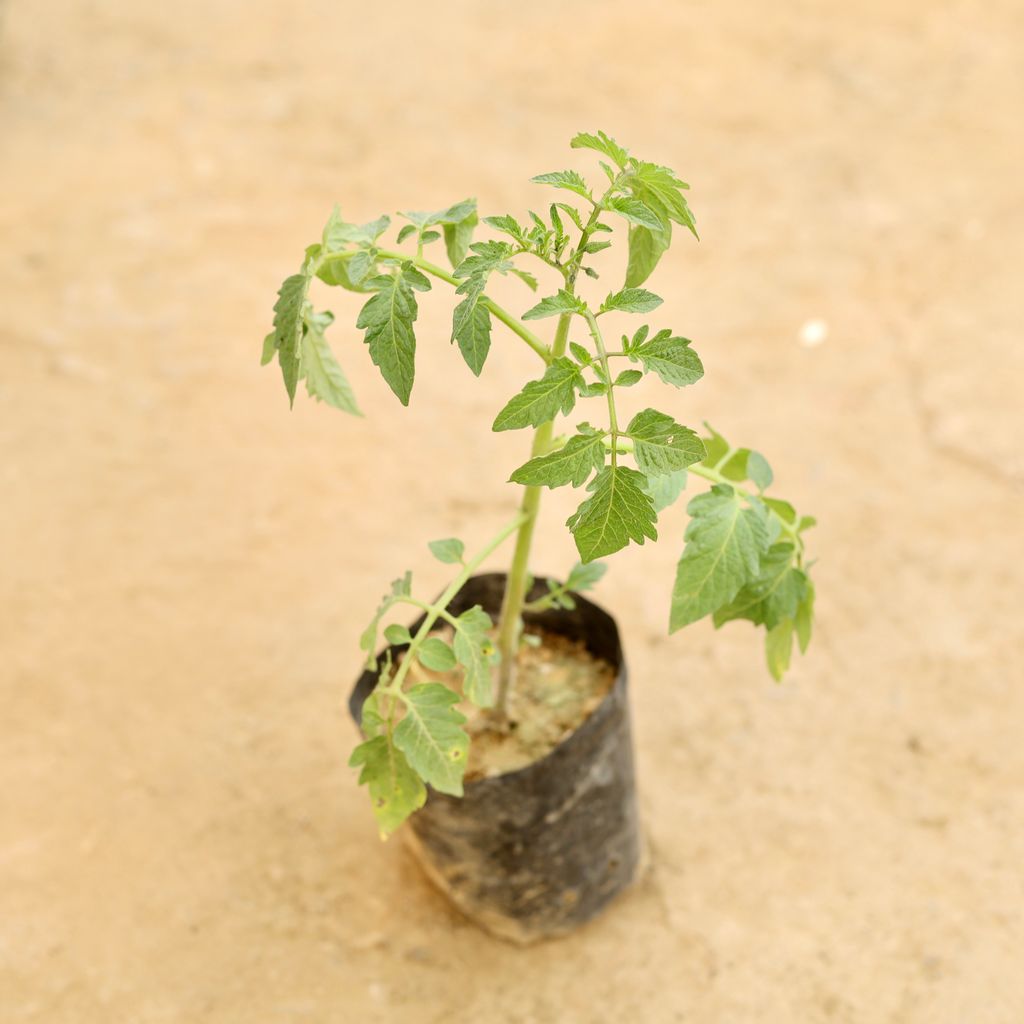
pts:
[513, 323]
[511, 625]
[602, 355]
[439, 607]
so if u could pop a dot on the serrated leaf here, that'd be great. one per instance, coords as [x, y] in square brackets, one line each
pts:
[724, 544]
[617, 511]
[325, 379]
[396, 633]
[542, 400]
[335, 272]
[773, 595]
[628, 378]
[571, 464]
[436, 655]
[396, 791]
[554, 305]
[580, 354]
[338, 233]
[507, 224]
[473, 650]
[430, 735]
[471, 328]
[526, 277]
[661, 189]
[602, 143]
[660, 445]
[573, 214]
[485, 259]
[631, 300]
[671, 358]
[665, 488]
[288, 326]
[636, 212]
[387, 319]
[449, 550]
[646, 247]
[571, 180]
[778, 645]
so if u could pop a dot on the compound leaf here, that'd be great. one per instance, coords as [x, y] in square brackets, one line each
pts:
[602, 144]
[473, 650]
[396, 791]
[288, 325]
[631, 300]
[542, 400]
[571, 464]
[671, 358]
[387, 319]
[571, 180]
[617, 511]
[325, 379]
[724, 543]
[554, 305]
[431, 736]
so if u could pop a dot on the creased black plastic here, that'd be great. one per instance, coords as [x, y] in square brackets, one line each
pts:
[536, 852]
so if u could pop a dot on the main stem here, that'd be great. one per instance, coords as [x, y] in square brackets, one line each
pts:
[515, 586]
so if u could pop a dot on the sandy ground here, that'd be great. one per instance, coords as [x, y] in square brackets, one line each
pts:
[187, 566]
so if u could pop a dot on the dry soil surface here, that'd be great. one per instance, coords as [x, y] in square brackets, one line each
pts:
[187, 565]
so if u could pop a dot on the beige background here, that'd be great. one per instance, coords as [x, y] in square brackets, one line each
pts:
[186, 566]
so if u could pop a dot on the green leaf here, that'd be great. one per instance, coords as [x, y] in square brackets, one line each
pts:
[631, 300]
[783, 509]
[617, 511]
[571, 464]
[450, 550]
[526, 277]
[397, 634]
[487, 257]
[665, 488]
[602, 144]
[459, 233]
[506, 224]
[337, 233]
[396, 791]
[646, 247]
[636, 212]
[759, 471]
[436, 655]
[805, 617]
[335, 271]
[430, 735]
[288, 325]
[585, 576]
[554, 305]
[660, 188]
[660, 445]
[387, 319]
[571, 180]
[473, 650]
[542, 400]
[671, 358]
[773, 595]
[573, 214]
[778, 645]
[325, 380]
[269, 348]
[724, 543]
[402, 587]
[471, 328]
[628, 378]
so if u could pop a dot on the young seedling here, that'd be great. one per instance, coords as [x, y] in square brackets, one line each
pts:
[744, 551]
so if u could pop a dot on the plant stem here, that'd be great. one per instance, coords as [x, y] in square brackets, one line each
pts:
[513, 323]
[511, 624]
[440, 606]
[613, 423]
